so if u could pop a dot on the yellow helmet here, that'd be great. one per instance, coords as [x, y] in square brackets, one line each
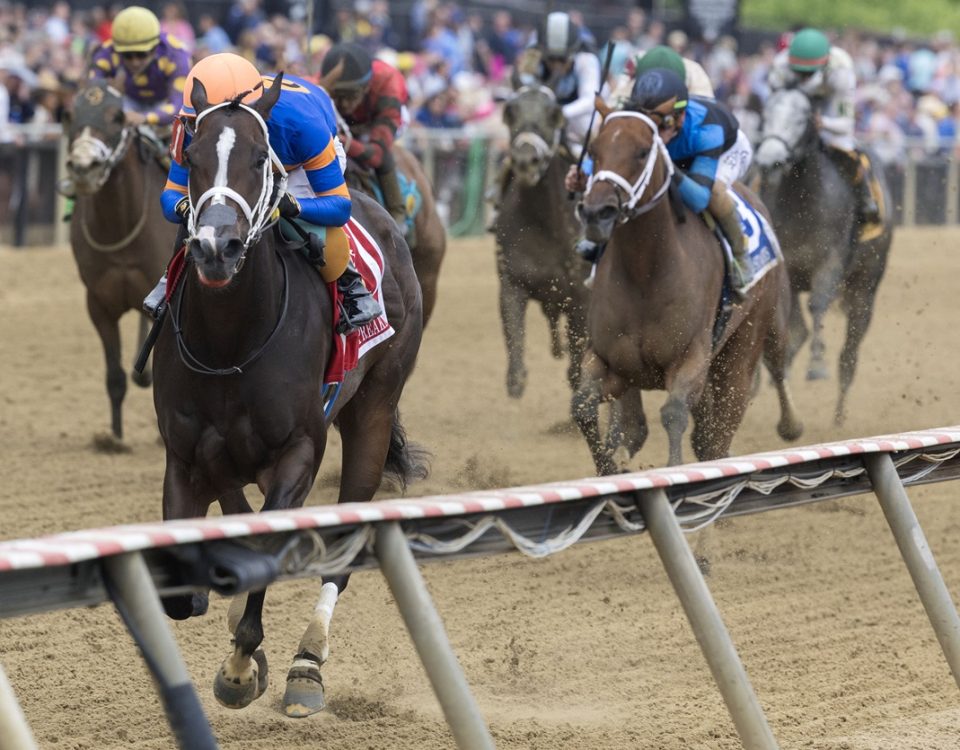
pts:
[135, 29]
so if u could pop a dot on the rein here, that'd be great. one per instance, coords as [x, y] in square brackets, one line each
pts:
[192, 363]
[635, 190]
[260, 215]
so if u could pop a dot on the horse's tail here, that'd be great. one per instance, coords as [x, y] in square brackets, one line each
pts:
[406, 461]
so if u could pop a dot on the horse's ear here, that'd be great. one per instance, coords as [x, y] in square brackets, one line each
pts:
[198, 96]
[329, 80]
[602, 108]
[265, 103]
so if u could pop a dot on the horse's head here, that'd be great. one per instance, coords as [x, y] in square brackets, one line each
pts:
[231, 184]
[631, 172]
[787, 134]
[98, 136]
[535, 120]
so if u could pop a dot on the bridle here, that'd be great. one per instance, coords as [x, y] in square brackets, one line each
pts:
[260, 216]
[632, 207]
[544, 150]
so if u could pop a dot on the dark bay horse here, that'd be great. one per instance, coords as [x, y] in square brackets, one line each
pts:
[828, 254]
[120, 239]
[536, 231]
[654, 303]
[428, 237]
[239, 374]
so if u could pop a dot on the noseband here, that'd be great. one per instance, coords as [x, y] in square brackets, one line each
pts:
[545, 151]
[260, 215]
[634, 191]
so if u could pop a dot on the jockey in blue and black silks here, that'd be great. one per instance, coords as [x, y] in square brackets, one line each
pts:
[706, 146]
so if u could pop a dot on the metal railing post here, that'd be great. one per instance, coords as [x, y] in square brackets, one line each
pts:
[704, 617]
[917, 555]
[430, 639]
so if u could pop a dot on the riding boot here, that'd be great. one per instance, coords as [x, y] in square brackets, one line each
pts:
[724, 210]
[869, 210]
[393, 197]
[498, 190]
[357, 306]
[152, 302]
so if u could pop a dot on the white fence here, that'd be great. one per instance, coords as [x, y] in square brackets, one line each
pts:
[133, 565]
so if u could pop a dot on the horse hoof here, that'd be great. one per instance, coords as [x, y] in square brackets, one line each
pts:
[516, 385]
[238, 689]
[790, 431]
[817, 372]
[304, 693]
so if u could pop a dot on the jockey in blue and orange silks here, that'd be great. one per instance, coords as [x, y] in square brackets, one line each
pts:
[302, 133]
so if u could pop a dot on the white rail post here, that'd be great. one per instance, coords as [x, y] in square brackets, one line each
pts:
[14, 731]
[138, 603]
[917, 555]
[704, 617]
[430, 639]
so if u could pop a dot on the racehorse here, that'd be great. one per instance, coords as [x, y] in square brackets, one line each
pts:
[428, 236]
[239, 373]
[120, 239]
[652, 317]
[536, 231]
[828, 253]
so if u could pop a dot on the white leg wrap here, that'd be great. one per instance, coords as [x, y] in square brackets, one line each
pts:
[316, 637]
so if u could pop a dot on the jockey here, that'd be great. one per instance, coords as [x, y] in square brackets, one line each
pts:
[560, 60]
[371, 96]
[661, 56]
[302, 132]
[826, 74]
[148, 64]
[708, 149]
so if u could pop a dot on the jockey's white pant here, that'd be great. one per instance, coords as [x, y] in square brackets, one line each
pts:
[735, 161]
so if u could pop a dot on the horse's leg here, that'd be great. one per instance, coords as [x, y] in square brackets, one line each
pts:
[513, 308]
[553, 320]
[684, 384]
[242, 676]
[109, 333]
[797, 331]
[776, 359]
[628, 429]
[143, 379]
[365, 424]
[234, 502]
[823, 290]
[858, 302]
[586, 413]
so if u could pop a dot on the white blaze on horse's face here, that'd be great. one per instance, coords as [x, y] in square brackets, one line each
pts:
[785, 120]
[225, 143]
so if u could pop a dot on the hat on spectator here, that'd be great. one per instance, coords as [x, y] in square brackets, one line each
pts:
[47, 80]
[13, 65]
[931, 106]
[406, 61]
[135, 29]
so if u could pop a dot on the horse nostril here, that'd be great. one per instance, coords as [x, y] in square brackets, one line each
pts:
[229, 249]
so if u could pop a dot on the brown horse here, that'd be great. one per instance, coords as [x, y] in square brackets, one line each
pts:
[536, 231]
[239, 373]
[120, 239]
[652, 314]
[428, 237]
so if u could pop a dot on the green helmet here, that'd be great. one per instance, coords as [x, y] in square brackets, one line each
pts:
[809, 51]
[661, 57]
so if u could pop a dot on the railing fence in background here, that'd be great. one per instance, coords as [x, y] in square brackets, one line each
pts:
[134, 565]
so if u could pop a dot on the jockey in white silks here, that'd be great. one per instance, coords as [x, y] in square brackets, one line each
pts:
[826, 74]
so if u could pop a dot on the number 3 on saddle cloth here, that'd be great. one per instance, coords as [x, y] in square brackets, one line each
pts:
[350, 347]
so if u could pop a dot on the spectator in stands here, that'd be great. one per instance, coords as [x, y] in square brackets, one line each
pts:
[213, 38]
[436, 110]
[174, 23]
[505, 42]
[243, 16]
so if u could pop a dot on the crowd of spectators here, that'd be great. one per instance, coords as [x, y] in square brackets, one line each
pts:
[908, 98]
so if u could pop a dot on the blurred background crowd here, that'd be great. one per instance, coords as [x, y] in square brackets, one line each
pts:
[457, 61]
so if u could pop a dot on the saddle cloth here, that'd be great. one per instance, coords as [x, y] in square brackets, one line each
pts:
[349, 348]
[763, 249]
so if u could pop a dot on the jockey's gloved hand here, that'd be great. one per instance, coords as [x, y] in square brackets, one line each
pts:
[182, 208]
[289, 206]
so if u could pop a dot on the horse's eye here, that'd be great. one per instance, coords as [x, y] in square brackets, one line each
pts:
[261, 160]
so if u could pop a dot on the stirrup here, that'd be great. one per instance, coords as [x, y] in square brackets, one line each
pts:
[357, 312]
[153, 301]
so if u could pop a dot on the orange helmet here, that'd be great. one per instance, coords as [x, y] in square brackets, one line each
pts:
[225, 76]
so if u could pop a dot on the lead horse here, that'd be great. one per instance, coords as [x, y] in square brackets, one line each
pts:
[239, 375]
[654, 305]
[829, 254]
[120, 240]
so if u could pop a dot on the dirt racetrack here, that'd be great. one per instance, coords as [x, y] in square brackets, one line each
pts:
[587, 649]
